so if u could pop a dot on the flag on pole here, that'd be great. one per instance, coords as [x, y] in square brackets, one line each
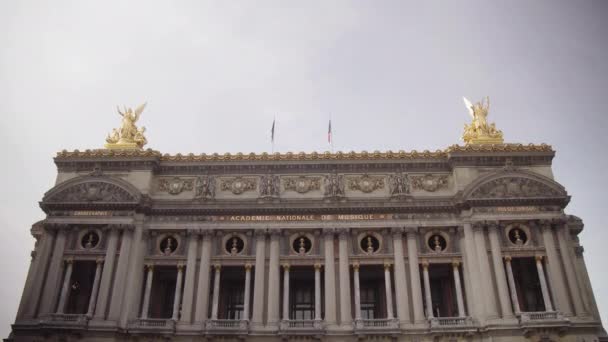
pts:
[329, 132]
[272, 132]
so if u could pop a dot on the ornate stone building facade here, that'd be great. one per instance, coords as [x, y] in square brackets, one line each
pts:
[466, 244]
[470, 243]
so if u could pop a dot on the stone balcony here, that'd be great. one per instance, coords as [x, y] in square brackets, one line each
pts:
[227, 327]
[543, 319]
[68, 321]
[302, 327]
[376, 326]
[451, 323]
[152, 325]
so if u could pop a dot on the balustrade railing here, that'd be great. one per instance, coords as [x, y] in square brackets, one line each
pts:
[384, 323]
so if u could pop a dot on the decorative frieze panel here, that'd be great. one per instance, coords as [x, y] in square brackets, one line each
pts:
[238, 185]
[334, 186]
[175, 185]
[429, 182]
[205, 187]
[399, 185]
[302, 184]
[366, 183]
[513, 187]
[269, 186]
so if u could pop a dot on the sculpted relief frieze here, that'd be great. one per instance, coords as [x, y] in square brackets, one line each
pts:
[301, 184]
[93, 192]
[238, 185]
[399, 185]
[204, 187]
[366, 183]
[510, 187]
[175, 185]
[429, 182]
[334, 186]
[269, 186]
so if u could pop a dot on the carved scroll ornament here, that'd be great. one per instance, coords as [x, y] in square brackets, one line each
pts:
[175, 185]
[302, 184]
[366, 183]
[238, 185]
[430, 183]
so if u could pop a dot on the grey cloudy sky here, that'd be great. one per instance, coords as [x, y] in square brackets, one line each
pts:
[390, 73]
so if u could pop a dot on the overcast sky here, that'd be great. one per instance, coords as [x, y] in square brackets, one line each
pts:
[391, 74]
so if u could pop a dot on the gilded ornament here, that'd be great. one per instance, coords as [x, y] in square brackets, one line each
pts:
[128, 136]
[480, 131]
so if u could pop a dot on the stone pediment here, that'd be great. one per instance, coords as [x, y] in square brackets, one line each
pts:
[92, 190]
[514, 185]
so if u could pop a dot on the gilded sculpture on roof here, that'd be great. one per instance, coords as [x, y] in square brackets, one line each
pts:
[128, 136]
[480, 131]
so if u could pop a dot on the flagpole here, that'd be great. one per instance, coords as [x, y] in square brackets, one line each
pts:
[272, 135]
[331, 136]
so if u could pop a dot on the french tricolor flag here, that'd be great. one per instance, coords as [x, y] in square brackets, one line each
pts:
[329, 133]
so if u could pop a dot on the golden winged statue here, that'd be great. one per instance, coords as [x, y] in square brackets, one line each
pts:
[479, 131]
[128, 136]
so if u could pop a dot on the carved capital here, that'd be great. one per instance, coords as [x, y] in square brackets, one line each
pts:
[387, 266]
[425, 264]
[217, 267]
[328, 233]
[260, 234]
[493, 225]
[356, 266]
[274, 233]
[248, 267]
[286, 266]
[69, 261]
[477, 226]
[508, 258]
[180, 267]
[317, 266]
[99, 261]
[538, 258]
[412, 232]
[455, 263]
[343, 233]
[397, 232]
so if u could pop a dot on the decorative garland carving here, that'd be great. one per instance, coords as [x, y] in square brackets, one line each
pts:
[93, 192]
[239, 185]
[205, 187]
[175, 185]
[302, 184]
[366, 183]
[511, 187]
[428, 182]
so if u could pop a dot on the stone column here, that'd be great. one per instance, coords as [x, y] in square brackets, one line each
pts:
[135, 277]
[513, 290]
[499, 272]
[258, 287]
[357, 289]
[459, 298]
[330, 277]
[42, 255]
[318, 292]
[216, 292]
[403, 311]
[427, 290]
[202, 298]
[186, 316]
[286, 292]
[106, 275]
[65, 289]
[95, 289]
[146, 304]
[412, 255]
[51, 283]
[567, 260]
[485, 273]
[543, 283]
[345, 310]
[554, 271]
[178, 292]
[273, 279]
[120, 279]
[246, 297]
[389, 291]
[472, 272]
